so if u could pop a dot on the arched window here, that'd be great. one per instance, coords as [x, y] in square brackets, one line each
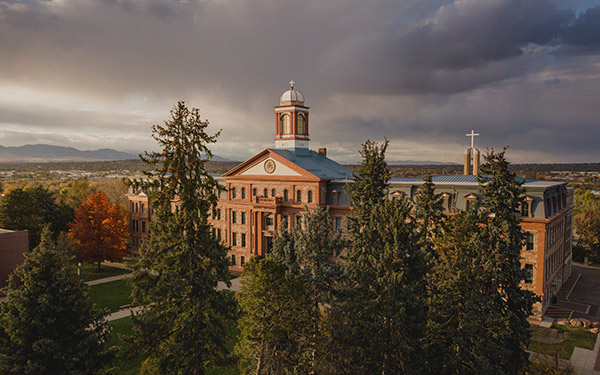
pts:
[233, 193]
[298, 196]
[272, 192]
[285, 195]
[301, 125]
[265, 194]
[286, 124]
[309, 198]
[243, 193]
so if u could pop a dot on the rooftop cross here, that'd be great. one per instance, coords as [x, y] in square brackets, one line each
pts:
[472, 135]
[292, 84]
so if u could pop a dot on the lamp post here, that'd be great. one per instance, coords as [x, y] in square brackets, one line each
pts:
[79, 269]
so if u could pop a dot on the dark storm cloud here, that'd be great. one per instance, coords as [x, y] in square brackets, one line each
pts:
[422, 70]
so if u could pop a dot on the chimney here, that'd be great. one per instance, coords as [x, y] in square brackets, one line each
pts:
[323, 151]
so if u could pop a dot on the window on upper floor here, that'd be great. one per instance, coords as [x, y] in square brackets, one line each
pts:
[243, 217]
[525, 208]
[243, 238]
[132, 207]
[269, 220]
[233, 217]
[273, 193]
[254, 192]
[143, 226]
[309, 197]
[242, 261]
[335, 198]
[529, 241]
[301, 125]
[233, 239]
[143, 208]
[233, 259]
[218, 214]
[285, 196]
[232, 193]
[243, 193]
[528, 273]
[265, 194]
[286, 124]
[337, 223]
[298, 196]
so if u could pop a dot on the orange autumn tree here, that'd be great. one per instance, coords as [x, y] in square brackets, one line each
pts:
[99, 230]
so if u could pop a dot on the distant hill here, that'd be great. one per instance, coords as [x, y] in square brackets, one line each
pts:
[417, 162]
[48, 153]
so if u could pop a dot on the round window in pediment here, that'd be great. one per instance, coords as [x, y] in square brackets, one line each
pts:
[269, 166]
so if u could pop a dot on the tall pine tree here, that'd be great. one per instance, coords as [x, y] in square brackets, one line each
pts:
[378, 319]
[478, 311]
[49, 325]
[183, 327]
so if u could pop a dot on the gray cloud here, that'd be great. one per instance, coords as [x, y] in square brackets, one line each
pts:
[419, 72]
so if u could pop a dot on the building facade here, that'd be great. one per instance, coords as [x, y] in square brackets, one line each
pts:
[281, 183]
[13, 247]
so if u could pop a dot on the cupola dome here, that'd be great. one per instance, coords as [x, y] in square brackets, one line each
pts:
[291, 96]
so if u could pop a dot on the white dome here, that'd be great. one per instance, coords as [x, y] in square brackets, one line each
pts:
[291, 96]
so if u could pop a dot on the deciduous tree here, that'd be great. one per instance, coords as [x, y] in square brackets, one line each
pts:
[49, 325]
[99, 230]
[183, 329]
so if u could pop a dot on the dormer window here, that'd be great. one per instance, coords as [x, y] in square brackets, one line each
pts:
[335, 198]
[448, 201]
[470, 201]
[397, 195]
[526, 207]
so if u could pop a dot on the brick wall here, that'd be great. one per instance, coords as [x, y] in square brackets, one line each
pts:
[13, 246]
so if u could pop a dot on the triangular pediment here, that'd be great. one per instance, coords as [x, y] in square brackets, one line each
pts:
[270, 165]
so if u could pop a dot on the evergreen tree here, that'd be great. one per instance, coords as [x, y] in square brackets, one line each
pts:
[183, 329]
[284, 249]
[275, 310]
[499, 220]
[49, 325]
[429, 209]
[378, 319]
[478, 311]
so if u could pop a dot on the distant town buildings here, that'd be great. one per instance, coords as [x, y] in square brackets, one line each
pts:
[281, 183]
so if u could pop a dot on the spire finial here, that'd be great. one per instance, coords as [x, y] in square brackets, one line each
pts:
[472, 135]
[292, 84]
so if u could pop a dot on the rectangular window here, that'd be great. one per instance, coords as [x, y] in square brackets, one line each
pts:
[143, 226]
[143, 208]
[338, 223]
[468, 204]
[243, 214]
[242, 261]
[528, 273]
[132, 207]
[218, 214]
[254, 192]
[233, 239]
[233, 217]
[133, 225]
[243, 193]
[530, 241]
[525, 209]
[232, 193]
[233, 259]
[243, 239]
[335, 198]
[219, 234]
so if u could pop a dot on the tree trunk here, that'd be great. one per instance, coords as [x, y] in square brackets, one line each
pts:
[259, 364]
[99, 266]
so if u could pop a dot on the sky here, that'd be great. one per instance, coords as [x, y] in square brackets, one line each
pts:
[99, 73]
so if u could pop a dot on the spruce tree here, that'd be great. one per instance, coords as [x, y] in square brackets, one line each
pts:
[49, 325]
[183, 326]
[378, 318]
[478, 311]
[284, 249]
[275, 311]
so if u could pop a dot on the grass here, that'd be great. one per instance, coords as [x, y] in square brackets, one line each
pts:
[90, 272]
[129, 366]
[111, 295]
[575, 336]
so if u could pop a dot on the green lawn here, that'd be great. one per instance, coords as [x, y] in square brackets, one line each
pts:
[579, 337]
[131, 366]
[111, 295]
[90, 272]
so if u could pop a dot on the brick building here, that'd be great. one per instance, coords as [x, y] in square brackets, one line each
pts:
[13, 247]
[282, 182]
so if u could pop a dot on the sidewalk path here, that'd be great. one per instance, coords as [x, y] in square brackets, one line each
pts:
[115, 265]
[107, 279]
[123, 313]
[584, 360]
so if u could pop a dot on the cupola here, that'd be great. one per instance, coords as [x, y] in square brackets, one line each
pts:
[291, 120]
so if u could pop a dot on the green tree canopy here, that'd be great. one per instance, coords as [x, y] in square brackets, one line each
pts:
[49, 325]
[183, 329]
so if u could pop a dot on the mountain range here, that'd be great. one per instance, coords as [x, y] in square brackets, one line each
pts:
[50, 153]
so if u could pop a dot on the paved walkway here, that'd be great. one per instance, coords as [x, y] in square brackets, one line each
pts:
[107, 279]
[585, 361]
